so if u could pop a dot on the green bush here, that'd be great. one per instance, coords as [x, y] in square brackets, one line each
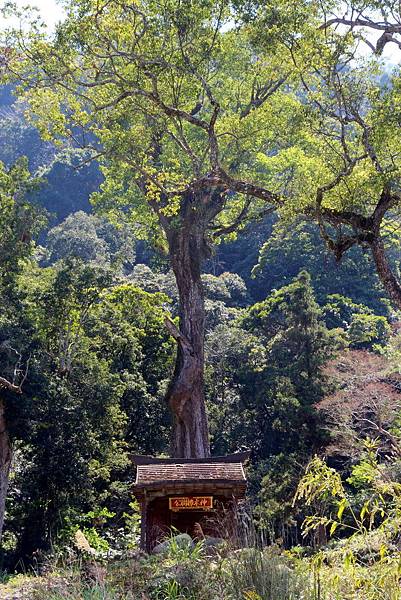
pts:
[366, 330]
[339, 311]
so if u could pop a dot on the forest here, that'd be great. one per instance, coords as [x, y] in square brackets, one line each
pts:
[200, 255]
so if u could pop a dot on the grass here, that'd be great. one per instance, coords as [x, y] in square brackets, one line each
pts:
[244, 574]
[262, 574]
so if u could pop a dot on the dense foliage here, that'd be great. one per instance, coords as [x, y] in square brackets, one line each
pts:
[99, 363]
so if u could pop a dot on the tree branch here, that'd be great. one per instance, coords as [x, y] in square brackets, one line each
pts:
[388, 29]
[362, 22]
[5, 384]
[178, 336]
[262, 95]
[218, 231]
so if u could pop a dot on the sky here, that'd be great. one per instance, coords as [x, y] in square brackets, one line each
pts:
[51, 12]
[392, 54]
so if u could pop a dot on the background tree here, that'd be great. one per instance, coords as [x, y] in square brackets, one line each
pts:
[91, 239]
[94, 393]
[66, 188]
[19, 221]
[288, 250]
[268, 367]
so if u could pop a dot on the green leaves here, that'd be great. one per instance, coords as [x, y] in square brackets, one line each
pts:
[321, 489]
[165, 95]
[319, 482]
[341, 507]
[100, 357]
[162, 91]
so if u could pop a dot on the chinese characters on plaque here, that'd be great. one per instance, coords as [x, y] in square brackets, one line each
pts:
[191, 503]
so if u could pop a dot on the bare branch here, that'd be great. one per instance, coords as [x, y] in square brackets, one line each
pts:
[178, 336]
[362, 22]
[5, 384]
[388, 29]
[219, 231]
[260, 96]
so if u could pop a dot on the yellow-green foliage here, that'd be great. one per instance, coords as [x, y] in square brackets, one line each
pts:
[144, 79]
[366, 564]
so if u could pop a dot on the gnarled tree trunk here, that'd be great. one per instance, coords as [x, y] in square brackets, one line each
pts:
[186, 396]
[5, 463]
[384, 271]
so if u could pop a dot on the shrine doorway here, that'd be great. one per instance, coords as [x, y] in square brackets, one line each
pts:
[190, 521]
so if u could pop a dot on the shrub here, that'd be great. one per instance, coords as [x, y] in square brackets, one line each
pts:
[367, 330]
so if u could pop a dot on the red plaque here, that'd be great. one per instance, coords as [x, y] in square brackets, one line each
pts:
[190, 503]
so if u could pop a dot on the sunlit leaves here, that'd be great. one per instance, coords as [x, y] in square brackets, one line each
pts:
[297, 109]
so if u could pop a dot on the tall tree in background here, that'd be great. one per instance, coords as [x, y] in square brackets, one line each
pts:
[18, 223]
[195, 113]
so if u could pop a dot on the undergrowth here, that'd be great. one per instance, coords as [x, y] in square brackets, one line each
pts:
[245, 574]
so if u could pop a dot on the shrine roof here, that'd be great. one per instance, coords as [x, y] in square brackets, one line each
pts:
[221, 469]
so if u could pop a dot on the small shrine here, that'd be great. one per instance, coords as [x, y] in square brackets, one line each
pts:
[191, 495]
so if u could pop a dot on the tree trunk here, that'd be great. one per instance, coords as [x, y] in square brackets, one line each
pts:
[383, 268]
[5, 463]
[186, 396]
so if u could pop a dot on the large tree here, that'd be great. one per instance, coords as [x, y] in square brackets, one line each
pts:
[194, 111]
[18, 223]
[171, 98]
[345, 170]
